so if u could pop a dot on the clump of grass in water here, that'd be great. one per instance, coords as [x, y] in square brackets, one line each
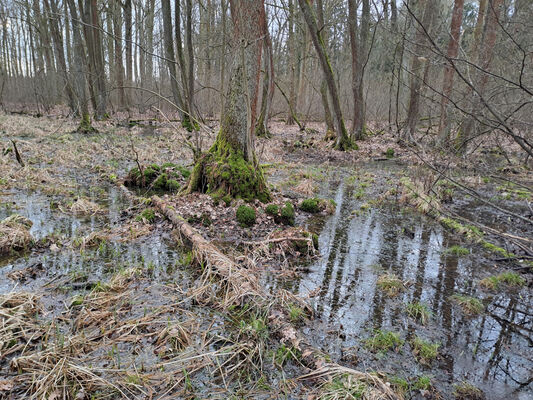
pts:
[424, 351]
[391, 284]
[470, 305]
[457, 251]
[423, 383]
[383, 341]
[508, 278]
[467, 391]
[419, 312]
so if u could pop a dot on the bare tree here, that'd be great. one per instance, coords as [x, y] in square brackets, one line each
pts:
[231, 167]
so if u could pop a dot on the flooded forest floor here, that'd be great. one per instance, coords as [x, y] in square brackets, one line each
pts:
[411, 267]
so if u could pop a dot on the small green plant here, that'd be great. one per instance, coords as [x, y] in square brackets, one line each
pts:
[419, 312]
[311, 205]
[390, 284]
[383, 341]
[296, 314]
[246, 215]
[508, 278]
[457, 251]
[467, 391]
[389, 153]
[425, 352]
[288, 214]
[470, 305]
[147, 215]
[399, 385]
[422, 383]
[285, 353]
[272, 209]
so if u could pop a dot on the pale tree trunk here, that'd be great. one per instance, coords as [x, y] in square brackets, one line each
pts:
[486, 51]
[419, 62]
[343, 141]
[447, 82]
[231, 167]
[330, 130]
[393, 16]
[170, 57]
[119, 61]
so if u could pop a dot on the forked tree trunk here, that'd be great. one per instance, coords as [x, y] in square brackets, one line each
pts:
[231, 167]
[343, 141]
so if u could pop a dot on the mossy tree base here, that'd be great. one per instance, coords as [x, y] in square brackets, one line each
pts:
[223, 171]
[346, 144]
[85, 125]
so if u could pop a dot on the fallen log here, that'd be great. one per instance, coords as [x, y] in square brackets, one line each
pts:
[242, 285]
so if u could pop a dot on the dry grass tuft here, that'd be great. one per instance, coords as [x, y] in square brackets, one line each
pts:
[18, 324]
[14, 234]
[85, 207]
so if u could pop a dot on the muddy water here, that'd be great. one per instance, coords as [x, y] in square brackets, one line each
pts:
[491, 351]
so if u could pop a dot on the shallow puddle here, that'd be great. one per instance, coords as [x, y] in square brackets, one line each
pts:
[489, 350]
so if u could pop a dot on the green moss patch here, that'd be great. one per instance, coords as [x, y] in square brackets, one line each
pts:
[312, 205]
[165, 177]
[288, 214]
[223, 171]
[245, 215]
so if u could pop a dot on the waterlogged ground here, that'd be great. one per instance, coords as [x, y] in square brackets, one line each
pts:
[125, 303]
[358, 245]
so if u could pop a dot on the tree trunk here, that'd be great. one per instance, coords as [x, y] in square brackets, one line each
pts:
[343, 141]
[170, 57]
[231, 167]
[330, 130]
[119, 62]
[470, 126]
[98, 52]
[57, 41]
[292, 64]
[78, 67]
[418, 69]
[447, 82]
[268, 89]
[359, 49]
